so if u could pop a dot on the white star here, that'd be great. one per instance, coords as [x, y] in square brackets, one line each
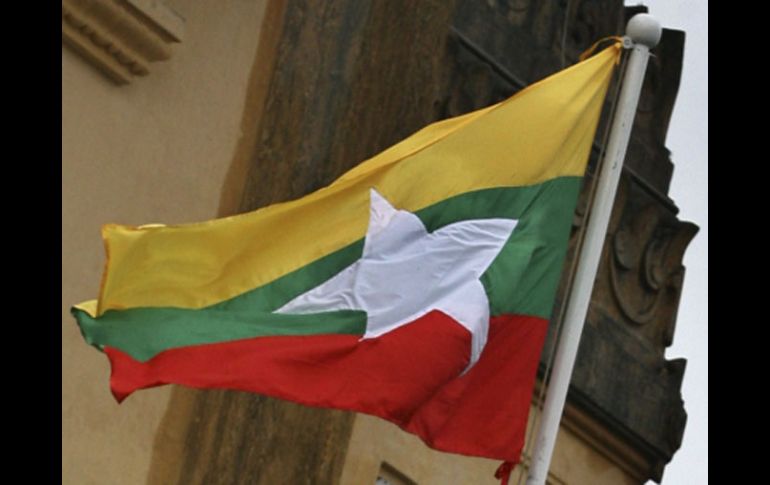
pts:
[406, 272]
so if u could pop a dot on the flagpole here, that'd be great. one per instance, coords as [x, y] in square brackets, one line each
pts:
[642, 33]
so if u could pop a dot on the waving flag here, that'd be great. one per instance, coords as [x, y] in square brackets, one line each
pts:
[416, 287]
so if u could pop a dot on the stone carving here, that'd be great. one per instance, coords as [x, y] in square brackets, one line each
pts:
[121, 37]
[638, 263]
[644, 264]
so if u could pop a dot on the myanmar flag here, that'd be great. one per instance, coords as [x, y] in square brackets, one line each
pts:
[417, 287]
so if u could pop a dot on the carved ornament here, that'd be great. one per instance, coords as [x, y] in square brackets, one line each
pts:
[121, 37]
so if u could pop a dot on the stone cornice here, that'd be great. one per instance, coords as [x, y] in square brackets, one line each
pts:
[121, 37]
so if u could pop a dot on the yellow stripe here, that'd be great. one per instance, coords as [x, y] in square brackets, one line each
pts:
[543, 132]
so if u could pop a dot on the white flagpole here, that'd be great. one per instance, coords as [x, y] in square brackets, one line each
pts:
[644, 33]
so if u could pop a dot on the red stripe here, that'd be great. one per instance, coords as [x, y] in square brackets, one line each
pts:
[408, 376]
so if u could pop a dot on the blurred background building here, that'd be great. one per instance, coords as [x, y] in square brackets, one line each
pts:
[178, 111]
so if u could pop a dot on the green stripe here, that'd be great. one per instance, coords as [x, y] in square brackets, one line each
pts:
[145, 332]
[524, 277]
[275, 294]
[522, 280]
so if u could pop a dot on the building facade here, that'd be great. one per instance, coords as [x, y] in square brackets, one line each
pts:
[178, 111]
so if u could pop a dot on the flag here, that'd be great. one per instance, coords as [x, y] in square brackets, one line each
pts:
[417, 287]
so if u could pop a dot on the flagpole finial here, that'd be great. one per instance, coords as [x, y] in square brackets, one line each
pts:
[644, 29]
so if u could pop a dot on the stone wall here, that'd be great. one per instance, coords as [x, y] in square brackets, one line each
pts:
[154, 150]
